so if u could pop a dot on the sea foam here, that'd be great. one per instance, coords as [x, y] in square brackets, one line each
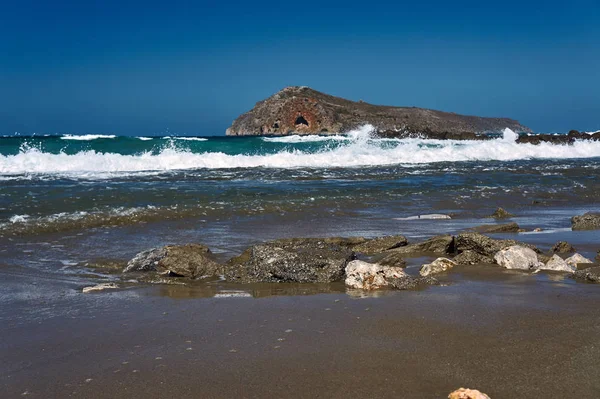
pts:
[359, 150]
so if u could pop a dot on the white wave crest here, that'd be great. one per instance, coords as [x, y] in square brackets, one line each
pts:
[144, 138]
[87, 137]
[364, 132]
[189, 138]
[360, 150]
[304, 139]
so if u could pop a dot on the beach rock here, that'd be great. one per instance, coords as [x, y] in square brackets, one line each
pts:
[190, 260]
[443, 244]
[591, 274]
[562, 247]
[485, 245]
[587, 221]
[519, 258]
[439, 265]
[380, 244]
[302, 260]
[391, 259]
[576, 260]
[557, 264]
[371, 276]
[464, 393]
[411, 283]
[472, 258]
[598, 256]
[498, 228]
[100, 287]
[302, 110]
[500, 213]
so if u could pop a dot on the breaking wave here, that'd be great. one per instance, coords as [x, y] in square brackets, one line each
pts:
[356, 149]
[87, 137]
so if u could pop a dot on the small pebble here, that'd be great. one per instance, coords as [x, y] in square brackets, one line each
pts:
[232, 350]
[288, 331]
[158, 358]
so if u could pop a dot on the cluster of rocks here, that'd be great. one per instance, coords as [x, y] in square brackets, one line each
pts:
[569, 138]
[381, 264]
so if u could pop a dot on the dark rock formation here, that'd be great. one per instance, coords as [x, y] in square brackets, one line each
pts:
[380, 244]
[484, 245]
[591, 274]
[391, 258]
[501, 213]
[469, 257]
[562, 247]
[191, 260]
[302, 260]
[411, 283]
[436, 245]
[302, 110]
[587, 221]
[569, 138]
[498, 228]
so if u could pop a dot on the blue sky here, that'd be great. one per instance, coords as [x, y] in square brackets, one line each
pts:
[191, 68]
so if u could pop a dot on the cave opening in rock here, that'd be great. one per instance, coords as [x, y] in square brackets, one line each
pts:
[301, 121]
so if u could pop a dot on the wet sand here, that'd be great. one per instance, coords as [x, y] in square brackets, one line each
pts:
[508, 334]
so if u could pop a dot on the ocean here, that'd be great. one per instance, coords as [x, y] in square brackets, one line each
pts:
[75, 208]
[73, 199]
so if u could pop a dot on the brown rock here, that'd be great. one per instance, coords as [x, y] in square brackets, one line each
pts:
[587, 221]
[303, 110]
[191, 260]
[500, 213]
[498, 228]
[562, 247]
[437, 245]
[380, 244]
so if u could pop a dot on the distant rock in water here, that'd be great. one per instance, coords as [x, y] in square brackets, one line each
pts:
[501, 213]
[587, 221]
[302, 110]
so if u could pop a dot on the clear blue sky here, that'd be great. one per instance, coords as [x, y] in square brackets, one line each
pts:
[145, 68]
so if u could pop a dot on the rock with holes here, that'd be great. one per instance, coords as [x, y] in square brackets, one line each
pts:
[465, 393]
[300, 260]
[190, 260]
[469, 257]
[518, 258]
[587, 221]
[576, 260]
[439, 265]
[371, 276]
[590, 275]
[557, 264]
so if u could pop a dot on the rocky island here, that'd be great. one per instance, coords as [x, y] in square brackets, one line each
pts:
[302, 110]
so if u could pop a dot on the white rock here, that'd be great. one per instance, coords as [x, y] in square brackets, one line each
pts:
[99, 287]
[371, 276]
[557, 264]
[517, 257]
[437, 266]
[576, 259]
